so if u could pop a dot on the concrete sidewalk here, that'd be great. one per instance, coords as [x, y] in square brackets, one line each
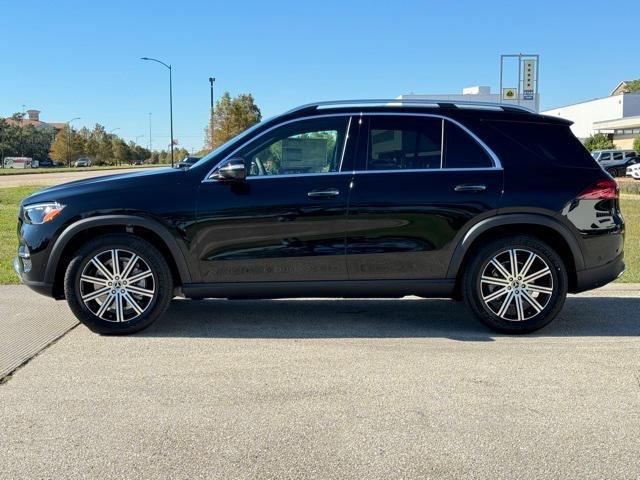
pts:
[28, 323]
[327, 388]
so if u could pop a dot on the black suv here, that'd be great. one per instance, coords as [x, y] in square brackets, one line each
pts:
[489, 203]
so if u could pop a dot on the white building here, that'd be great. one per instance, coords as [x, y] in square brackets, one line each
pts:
[475, 94]
[617, 115]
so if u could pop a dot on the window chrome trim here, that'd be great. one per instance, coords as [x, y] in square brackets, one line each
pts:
[497, 165]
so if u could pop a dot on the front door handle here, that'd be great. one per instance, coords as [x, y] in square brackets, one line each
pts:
[470, 188]
[325, 193]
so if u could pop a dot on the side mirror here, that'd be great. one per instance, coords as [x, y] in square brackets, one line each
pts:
[234, 170]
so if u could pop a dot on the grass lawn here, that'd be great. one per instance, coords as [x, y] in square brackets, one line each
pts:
[10, 197]
[31, 171]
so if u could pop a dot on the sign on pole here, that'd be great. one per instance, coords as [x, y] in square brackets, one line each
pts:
[528, 83]
[509, 94]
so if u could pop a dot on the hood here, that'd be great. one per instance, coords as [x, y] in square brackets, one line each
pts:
[102, 183]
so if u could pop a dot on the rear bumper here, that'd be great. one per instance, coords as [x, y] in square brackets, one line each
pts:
[597, 277]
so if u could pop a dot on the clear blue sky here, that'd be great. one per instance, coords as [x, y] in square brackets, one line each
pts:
[81, 58]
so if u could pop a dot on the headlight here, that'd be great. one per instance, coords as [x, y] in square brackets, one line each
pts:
[39, 213]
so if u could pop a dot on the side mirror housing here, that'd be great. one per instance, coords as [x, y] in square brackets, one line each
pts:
[234, 170]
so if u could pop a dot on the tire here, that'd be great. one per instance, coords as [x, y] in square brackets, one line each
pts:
[87, 276]
[485, 288]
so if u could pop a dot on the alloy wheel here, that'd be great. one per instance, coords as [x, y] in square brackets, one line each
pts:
[516, 284]
[117, 285]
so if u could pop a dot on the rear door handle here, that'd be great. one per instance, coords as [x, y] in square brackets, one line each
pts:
[470, 188]
[325, 193]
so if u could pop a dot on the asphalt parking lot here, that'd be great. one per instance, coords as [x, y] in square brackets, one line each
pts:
[405, 388]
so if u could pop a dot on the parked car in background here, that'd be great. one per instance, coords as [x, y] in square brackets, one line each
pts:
[634, 171]
[46, 163]
[615, 162]
[495, 205]
[82, 162]
[187, 162]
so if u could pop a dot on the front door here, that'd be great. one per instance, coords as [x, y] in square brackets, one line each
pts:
[419, 180]
[286, 221]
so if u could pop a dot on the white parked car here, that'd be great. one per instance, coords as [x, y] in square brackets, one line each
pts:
[82, 162]
[634, 171]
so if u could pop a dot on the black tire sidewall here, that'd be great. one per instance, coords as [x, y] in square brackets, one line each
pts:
[137, 245]
[472, 292]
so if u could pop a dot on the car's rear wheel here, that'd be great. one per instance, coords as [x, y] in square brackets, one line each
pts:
[118, 284]
[515, 284]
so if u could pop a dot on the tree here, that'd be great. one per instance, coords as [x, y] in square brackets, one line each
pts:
[231, 117]
[633, 86]
[67, 146]
[636, 144]
[599, 141]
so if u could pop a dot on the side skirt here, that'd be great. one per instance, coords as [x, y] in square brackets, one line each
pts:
[336, 288]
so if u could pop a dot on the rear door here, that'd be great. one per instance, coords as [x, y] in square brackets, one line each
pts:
[419, 180]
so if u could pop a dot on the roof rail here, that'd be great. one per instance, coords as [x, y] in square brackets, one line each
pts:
[395, 102]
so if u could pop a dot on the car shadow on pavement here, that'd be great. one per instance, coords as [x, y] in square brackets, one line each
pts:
[325, 318]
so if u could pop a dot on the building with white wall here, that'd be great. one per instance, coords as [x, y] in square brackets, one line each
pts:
[612, 115]
[474, 94]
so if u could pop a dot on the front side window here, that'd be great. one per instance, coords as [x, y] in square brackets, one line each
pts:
[605, 156]
[303, 147]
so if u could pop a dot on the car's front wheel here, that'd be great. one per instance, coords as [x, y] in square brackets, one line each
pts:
[118, 284]
[515, 284]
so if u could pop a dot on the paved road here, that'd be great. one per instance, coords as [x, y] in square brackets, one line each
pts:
[46, 179]
[333, 389]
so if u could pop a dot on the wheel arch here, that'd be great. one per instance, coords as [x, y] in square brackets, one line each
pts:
[545, 228]
[83, 230]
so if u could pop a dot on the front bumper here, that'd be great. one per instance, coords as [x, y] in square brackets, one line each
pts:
[598, 276]
[42, 288]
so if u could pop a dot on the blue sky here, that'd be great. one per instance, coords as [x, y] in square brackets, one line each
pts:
[81, 58]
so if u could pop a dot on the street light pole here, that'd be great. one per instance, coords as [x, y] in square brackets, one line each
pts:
[69, 141]
[212, 80]
[150, 140]
[170, 99]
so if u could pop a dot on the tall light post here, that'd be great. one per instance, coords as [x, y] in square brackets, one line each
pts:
[150, 140]
[212, 80]
[170, 100]
[69, 141]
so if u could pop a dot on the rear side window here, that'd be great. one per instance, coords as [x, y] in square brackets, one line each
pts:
[617, 156]
[462, 151]
[403, 143]
[421, 143]
[548, 142]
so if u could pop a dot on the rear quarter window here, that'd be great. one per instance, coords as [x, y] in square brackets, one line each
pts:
[549, 143]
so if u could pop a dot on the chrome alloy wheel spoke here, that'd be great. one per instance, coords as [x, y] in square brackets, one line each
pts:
[516, 284]
[117, 285]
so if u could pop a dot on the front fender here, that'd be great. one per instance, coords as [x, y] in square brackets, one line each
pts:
[156, 227]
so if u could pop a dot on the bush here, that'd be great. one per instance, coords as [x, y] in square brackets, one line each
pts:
[599, 141]
[636, 144]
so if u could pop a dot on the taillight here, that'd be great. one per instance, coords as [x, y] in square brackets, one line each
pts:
[601, 190]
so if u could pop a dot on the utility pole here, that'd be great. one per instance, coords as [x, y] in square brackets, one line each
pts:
[150, 140]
